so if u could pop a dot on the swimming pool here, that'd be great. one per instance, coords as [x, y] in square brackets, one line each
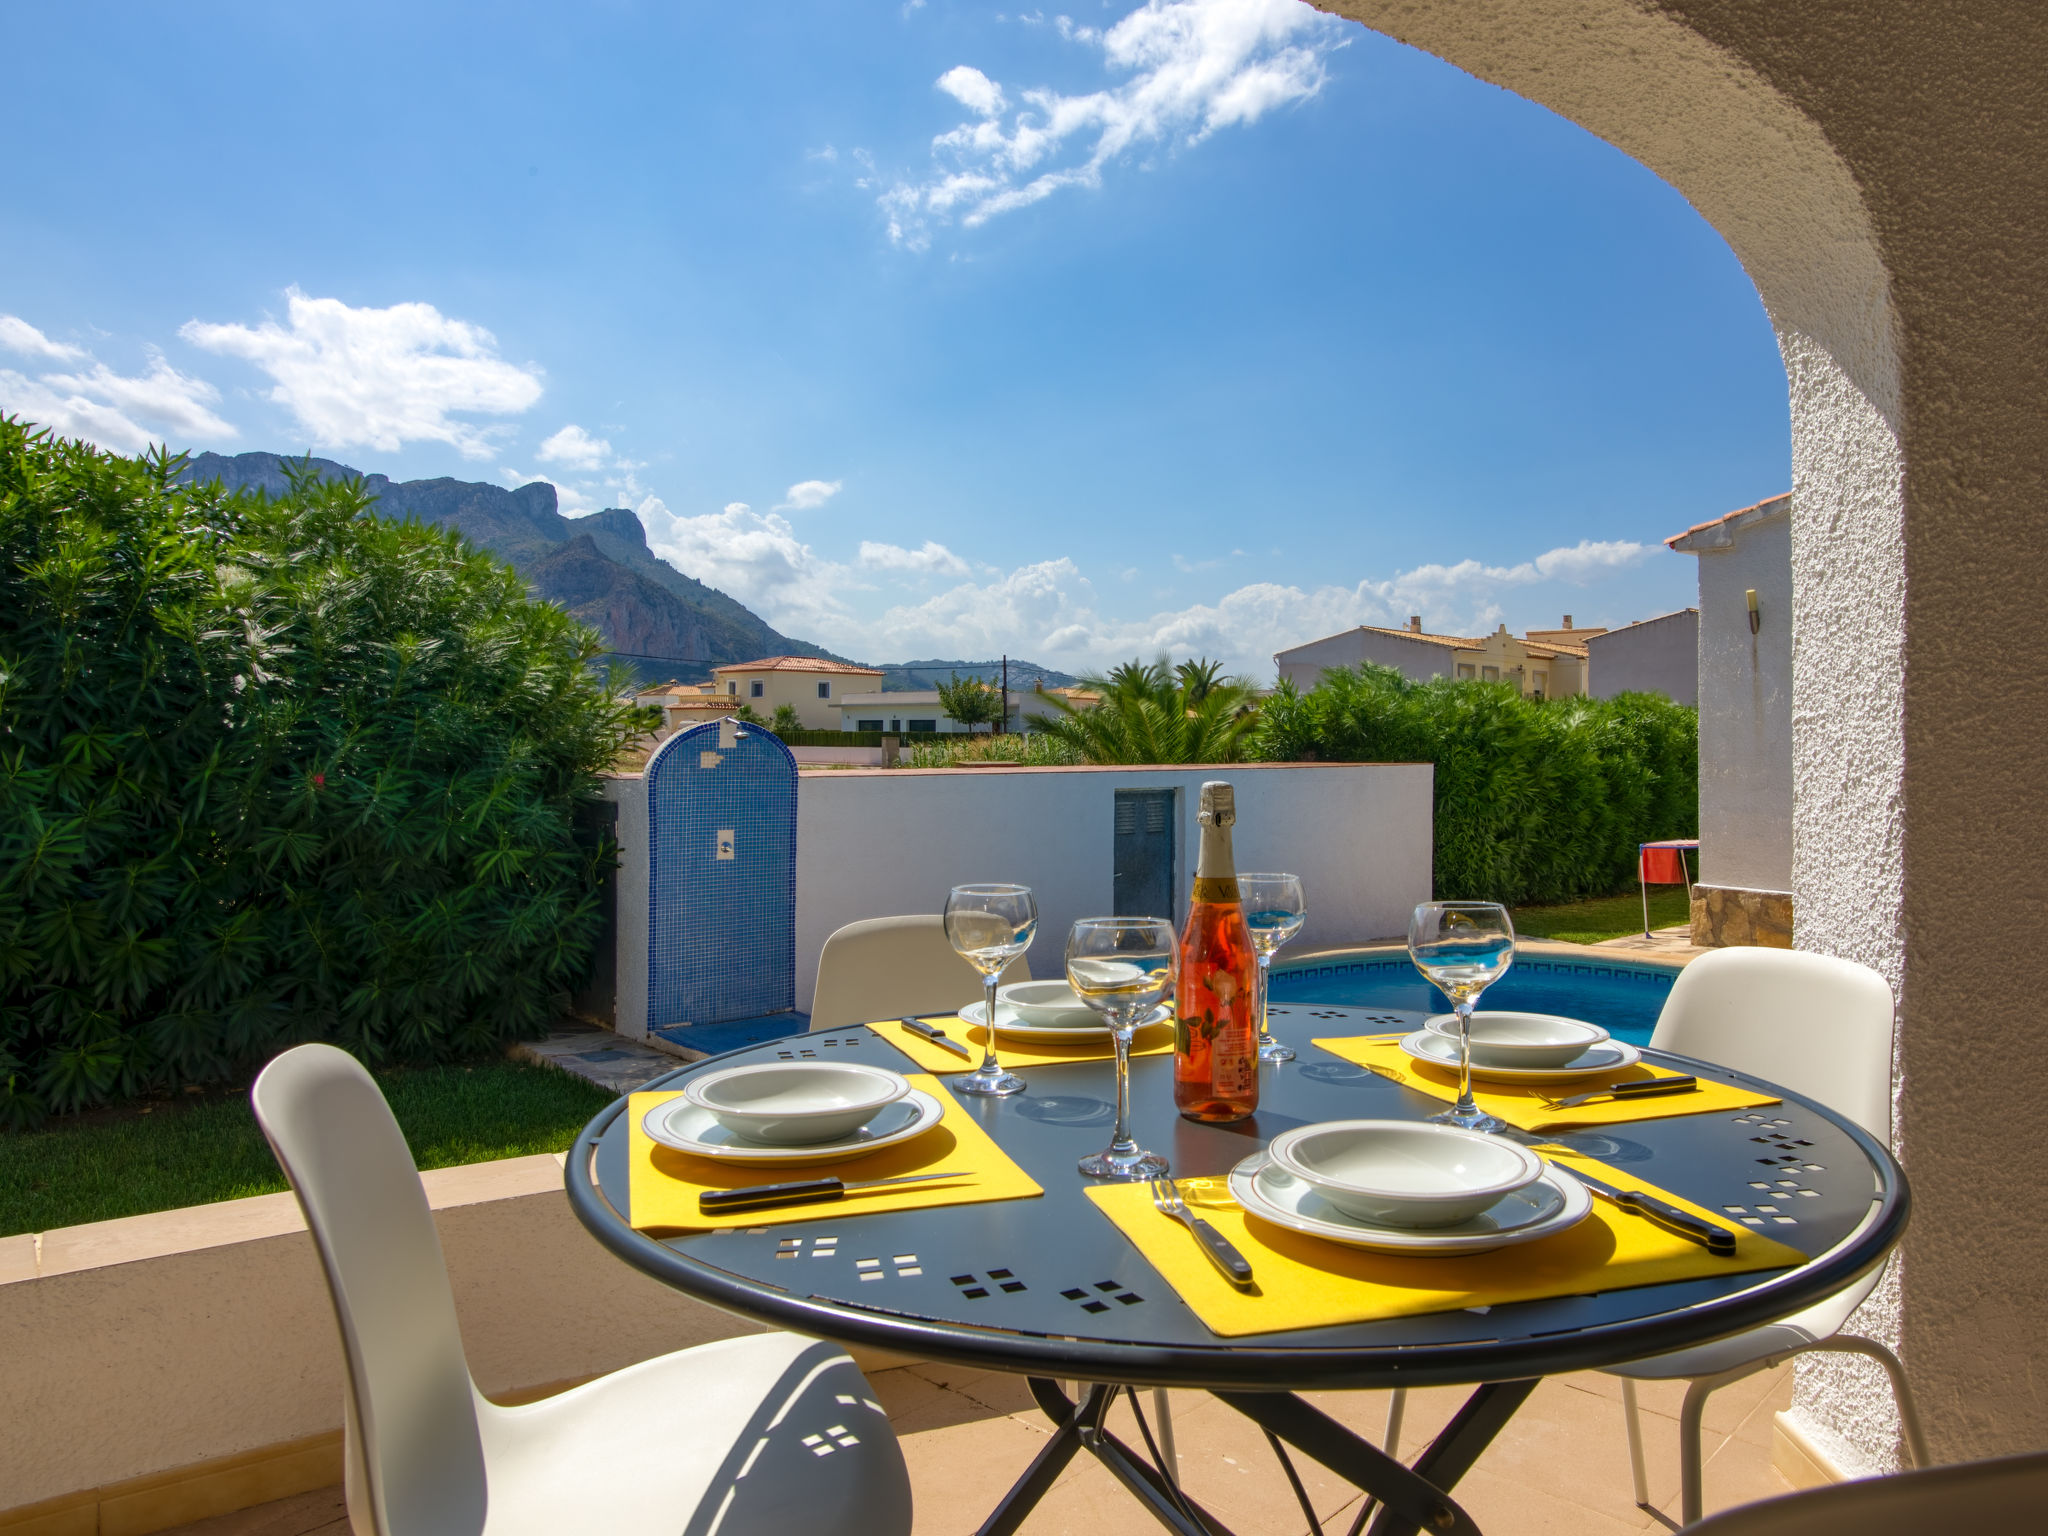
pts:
[1623, 997]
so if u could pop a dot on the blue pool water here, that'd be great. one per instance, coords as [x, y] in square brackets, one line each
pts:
[1621, 997]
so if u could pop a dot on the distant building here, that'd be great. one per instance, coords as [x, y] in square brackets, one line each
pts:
[1545, 664]
[1660, 655]
[908, 713]
[686, 704]
[1745, 698]
[812, 686]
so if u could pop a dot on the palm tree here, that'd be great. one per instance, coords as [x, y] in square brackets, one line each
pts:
[1149, 714]
[1197, 677]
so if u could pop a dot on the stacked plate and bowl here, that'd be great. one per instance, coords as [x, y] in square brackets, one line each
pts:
[1048, 1013]
[793, 1112]
[1402, 1186]
[1523, 1047]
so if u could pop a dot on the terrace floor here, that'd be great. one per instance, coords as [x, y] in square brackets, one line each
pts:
[1559, 1469]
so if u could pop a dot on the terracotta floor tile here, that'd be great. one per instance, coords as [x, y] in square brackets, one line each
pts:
[958, 1472]
[1506, 1506]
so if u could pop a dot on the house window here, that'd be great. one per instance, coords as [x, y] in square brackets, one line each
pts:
[756, 688]
[896, 725]
[1488, 674]
[1465, 669]
[824, 690]
[927, 726]
[867, 725]
[731, 686]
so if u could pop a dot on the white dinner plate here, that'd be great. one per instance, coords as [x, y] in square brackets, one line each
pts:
[1609, 1056]
[688, 1128]
[1008, 1023]
[1550, 1205]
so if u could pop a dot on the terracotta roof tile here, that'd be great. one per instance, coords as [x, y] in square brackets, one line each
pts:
[800, 664]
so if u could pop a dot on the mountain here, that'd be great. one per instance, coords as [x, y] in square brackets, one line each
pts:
[599, 567]
[914, 676]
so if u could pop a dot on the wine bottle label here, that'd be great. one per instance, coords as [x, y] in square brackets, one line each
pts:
[1212, 888]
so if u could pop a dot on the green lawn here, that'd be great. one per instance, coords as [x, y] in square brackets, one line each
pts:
[1604, 917]
[196, 1149]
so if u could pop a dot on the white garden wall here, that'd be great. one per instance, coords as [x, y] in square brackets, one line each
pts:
[871, 843]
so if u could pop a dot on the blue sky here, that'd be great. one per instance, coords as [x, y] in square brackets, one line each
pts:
[1201, 325]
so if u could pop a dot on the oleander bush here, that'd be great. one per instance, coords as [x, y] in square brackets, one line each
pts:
[1536, 800]
[274, 770]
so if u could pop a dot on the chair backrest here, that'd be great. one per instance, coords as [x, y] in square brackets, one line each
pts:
[419, 1455]
[1818, 1025]
[2006, 1495]
[886, 967]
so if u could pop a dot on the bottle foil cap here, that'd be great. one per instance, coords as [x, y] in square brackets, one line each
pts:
[1219, 804]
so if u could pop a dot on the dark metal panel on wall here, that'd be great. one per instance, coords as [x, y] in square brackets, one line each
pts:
[1145, 878]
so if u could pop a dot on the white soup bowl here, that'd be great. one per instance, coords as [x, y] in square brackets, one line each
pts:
[795, 1103]
[1049, 1005]
[1403, 1173]
[1532, 1040]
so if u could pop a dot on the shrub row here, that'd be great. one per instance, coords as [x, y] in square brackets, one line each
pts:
[274, 770]
[1536, 800]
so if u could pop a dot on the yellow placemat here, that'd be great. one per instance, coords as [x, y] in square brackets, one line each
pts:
[1017, 1055]
[1305, 1282]
[1523, 1106]
[665, 1183]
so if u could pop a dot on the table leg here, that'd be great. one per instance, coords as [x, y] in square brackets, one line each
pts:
[1081, 1428]
[1406, 1494]
[1451, 1453]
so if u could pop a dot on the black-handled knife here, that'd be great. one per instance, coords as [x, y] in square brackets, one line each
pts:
[1715, 1239]
[801, 1192]
[936, 1036]
[1641, 1088]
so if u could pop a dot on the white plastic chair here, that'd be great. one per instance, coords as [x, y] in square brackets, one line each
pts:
[2006, 1495]
[887, 967]
[1819, 1026]
[754, 1436]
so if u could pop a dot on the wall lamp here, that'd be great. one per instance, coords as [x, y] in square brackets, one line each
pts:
[1755, 620]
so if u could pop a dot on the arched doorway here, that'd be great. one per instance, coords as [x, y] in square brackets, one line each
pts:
[1879, 171]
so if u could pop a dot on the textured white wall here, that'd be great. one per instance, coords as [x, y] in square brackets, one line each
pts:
[895, 840]
[1746, 708]
[1660, 655]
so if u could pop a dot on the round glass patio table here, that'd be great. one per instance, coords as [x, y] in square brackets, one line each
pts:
[1048, 1288]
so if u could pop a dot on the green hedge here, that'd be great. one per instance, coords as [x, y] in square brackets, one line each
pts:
[1536, 800]
[274, 771]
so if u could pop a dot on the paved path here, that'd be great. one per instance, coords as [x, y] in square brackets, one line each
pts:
[613, 1062]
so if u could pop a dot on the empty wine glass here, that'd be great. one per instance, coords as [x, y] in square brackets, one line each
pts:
[988, 927]
[1122, 967]
[1463, 947]
[1274, 911]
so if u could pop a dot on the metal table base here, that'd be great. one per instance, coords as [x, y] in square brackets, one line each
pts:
[1408, 1499]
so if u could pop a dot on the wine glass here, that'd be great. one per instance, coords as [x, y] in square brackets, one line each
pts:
[1463, 947]
[988, 927]
[1121, 967]
[1274, 911]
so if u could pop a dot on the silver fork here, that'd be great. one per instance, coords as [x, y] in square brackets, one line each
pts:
[1166, 1199]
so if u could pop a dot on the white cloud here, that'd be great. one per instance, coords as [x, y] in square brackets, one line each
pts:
[17, 335]
[1193, 66]
[933, 559]
[1048, 611]
[973, 90]
[809, 495]
[576, 448]
[379, 378]
[122, 412]
[757, 558]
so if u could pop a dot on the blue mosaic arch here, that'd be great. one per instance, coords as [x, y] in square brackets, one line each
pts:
[721, 907]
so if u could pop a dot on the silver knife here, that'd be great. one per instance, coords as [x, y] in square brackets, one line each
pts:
[937, 1037]
[1642, 1088]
